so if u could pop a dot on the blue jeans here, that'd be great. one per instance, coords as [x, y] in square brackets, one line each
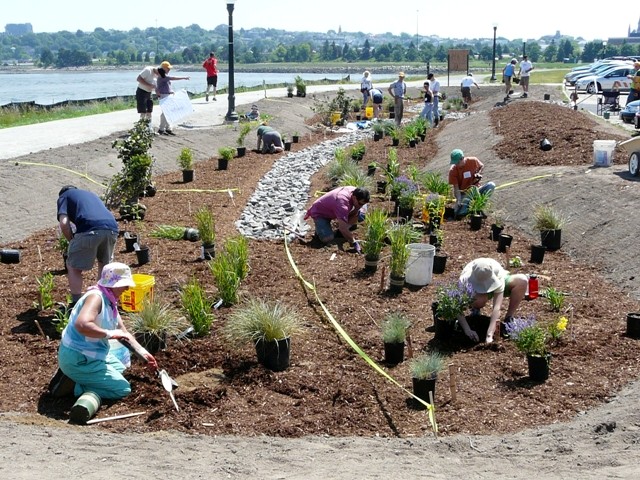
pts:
[436, 107]
[463, 209]
[427, 112]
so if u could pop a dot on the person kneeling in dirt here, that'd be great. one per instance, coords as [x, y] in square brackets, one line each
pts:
[269, 141]
[346, 205]
[490, 281]
[84, 355]
[465, 174]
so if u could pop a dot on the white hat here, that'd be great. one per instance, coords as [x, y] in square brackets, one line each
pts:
[484, 275]
[116, 275]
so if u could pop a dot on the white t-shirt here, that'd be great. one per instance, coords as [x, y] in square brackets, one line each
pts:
[148, 76]
[435, 86]
[467, 82]
[525, 68]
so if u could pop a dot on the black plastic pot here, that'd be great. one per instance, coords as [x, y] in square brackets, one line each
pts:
[633, 325]
[275, 354]
[191, 234]
[8, 255]
[545, 145]
[129, 240]
[371, 263]
[439, 263]
[396, 284]
[143, 255]
[223, 163]
[538, 367]
[241, 151]
[208, 251]
[295, 138]
[187, 176]
[537, 253]
[475, 221]
[422, 387]
[504, 242]
[551, 239]
[287, 146]
[152, 342]
[495, 232]
[394, 352]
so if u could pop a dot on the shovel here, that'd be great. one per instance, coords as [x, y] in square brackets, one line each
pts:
[167, 382]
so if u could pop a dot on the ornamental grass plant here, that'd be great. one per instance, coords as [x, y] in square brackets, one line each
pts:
[197, 306]
[428, 365]
[545, 217]
[262, 320]
[394, 327]
[375, 224]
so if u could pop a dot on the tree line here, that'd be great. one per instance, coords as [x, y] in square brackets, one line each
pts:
[66, 49]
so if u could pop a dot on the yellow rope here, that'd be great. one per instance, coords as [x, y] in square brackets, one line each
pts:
[83, 175]
[430, 408]
[537, 177]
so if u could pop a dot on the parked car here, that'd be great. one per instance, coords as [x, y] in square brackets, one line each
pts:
[615, 77]
[596, 70]
[628, 113]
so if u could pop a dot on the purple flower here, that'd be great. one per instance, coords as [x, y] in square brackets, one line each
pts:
[515, 326]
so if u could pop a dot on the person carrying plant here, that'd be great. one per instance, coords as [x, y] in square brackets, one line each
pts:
[84, 353]
[490, 281]
[465, 174]
[346, 205]
[269, 140]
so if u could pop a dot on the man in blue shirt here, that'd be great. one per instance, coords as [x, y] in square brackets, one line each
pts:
[508, 73]
[92, 232]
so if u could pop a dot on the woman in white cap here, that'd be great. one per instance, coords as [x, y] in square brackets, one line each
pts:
[490, 281]
[84, 354]
[365, 87]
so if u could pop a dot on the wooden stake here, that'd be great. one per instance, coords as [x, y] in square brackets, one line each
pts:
[452, 382]
[39, 254]
[117, 417]
[382, 278]
[409, 346]
[40, 329]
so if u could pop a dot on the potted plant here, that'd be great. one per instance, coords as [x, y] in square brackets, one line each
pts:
[154, 323]
[394, 333]
[479, 201]
[286, 142]
[295, 138]
[433, 211]
[378, 131]
[371, 169]
[289, 90]
[549, 223]
[531, 339]
[409, 132]
[269, 325]
[358, 151]
[226, 155]
[301, 87]
[440, 256]
[406, 203]
[185, 162]
[375, 224]
[424, 373]
[394, 132]
[244, 131]
[400, 235]
[497, 226]
[391, 171]
[452, 299]
[206, 228]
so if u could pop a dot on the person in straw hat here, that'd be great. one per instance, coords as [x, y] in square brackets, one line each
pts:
[491, 282]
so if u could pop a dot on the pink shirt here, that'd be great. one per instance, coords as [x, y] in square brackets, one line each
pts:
[335, 204]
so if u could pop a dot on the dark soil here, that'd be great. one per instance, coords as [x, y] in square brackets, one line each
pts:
[328, 388]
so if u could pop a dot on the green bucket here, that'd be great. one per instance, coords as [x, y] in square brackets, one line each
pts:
[85, 408]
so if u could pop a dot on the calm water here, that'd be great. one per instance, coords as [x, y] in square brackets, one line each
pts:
[46, 88]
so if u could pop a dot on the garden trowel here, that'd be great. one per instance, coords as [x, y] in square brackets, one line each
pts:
[168, 383]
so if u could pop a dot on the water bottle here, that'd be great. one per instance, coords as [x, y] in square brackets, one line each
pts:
[532, 287]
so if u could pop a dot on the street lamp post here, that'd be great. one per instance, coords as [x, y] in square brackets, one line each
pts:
[604, 49]
[493, 64]
[231, 115]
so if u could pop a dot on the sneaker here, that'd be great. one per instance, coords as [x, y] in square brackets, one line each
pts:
[169, 132]
[207, 97]
[524, 95]
[161, 132]
[215, 99]
[60, 385]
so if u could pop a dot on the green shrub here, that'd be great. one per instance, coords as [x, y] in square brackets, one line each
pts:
[197, 306]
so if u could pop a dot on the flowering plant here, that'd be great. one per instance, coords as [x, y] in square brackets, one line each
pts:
[452, 300]
[403, 185]
[556, 329]
[529, 337]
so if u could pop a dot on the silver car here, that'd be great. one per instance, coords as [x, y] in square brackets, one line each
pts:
[615, 77]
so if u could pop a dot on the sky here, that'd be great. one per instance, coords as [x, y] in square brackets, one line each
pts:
[542, 17]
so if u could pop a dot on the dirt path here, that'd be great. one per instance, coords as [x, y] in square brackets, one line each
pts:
[601, 443]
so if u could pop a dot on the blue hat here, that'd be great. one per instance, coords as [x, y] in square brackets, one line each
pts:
[456, 156]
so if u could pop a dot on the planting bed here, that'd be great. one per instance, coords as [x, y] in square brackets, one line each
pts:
[328, 389]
